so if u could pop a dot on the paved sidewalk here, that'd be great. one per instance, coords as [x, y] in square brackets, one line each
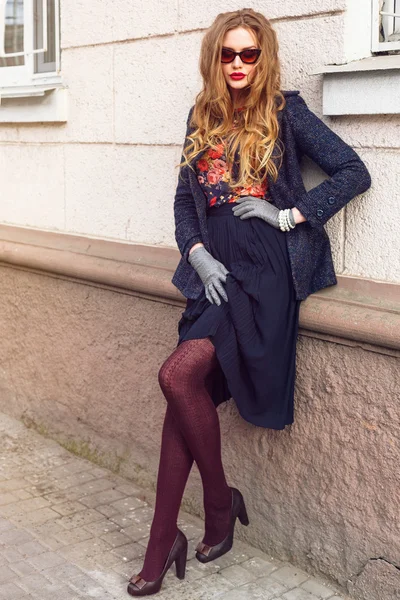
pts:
[71, 530]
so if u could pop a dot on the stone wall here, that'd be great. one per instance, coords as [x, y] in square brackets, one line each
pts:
[129, 94]
[79, 363]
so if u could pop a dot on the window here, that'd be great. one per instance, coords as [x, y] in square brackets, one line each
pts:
[385, 25]
[29, 46]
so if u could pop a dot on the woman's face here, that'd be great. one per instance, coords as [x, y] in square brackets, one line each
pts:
[238, 39]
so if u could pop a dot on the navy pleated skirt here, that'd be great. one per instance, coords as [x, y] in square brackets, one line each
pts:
[255, 332]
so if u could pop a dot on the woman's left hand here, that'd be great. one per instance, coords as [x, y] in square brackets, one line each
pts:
[249, 206]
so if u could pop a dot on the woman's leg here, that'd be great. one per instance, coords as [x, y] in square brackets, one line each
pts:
[191, 431]
[173, 472]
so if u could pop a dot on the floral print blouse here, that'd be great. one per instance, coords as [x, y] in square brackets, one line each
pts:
[214, 175]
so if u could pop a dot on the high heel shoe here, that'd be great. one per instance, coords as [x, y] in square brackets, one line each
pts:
[207, 553]
[139, 587]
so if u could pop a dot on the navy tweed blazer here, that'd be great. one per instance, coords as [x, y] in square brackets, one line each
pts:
[301, 132]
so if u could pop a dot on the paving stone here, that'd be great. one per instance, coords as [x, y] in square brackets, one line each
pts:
[101, 473]
[63, 572]
[85, 548]
[81, 518]
[50, 593]
[73, 481]
[7, 498]
[138, 531]
[114, 583]
[42, 488]
[129, 567]
[31, 548]
[48, 529]
[6, 573]
[24, 506]
[271, 588]
[105, 497]
[249, 591]
[253, 552]
[237, 575]
[53, 543]
[86, 585]
[57, 593]
[11, 555]
[9, 591]
[192, 531]
[196, 570]
[99, 528]
[318, 589]
[46, 560]
[180, 591]
[61, 496]
[22, 494]
[298, 594]
[35, 583]
[210, 587]
[94, 486]
[129, 489]
[104, 560]
[14, 536]
[68, 508]
[73, 536]
[70, 468]
[13, 484]
[230, 558]
[290, 576]
[35, 517]
[107, 511]
[139, 515]
[115, 539]
[23, 568]
[258, 567]
[5, 524]
[128, 504]
[129, 551]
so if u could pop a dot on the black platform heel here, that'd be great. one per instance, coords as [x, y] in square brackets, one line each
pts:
[207, 553]
[139, 587]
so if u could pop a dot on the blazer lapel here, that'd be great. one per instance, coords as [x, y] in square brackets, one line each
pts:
[200, 203]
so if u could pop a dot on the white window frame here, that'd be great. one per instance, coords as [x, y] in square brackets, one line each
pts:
[381, 10]
[22, 80]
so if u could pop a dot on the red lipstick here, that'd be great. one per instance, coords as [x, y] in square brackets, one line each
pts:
[237, 75]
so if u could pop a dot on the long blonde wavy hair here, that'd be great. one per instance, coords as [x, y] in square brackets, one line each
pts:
[257, 127]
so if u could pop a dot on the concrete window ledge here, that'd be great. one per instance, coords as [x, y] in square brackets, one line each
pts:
[369, 86]
[356, 310]
[47, 103]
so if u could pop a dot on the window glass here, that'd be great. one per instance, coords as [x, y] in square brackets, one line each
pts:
[14, 33]
[45, 62]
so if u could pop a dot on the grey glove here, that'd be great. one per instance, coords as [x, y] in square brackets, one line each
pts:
[249, 206]
[211, 272]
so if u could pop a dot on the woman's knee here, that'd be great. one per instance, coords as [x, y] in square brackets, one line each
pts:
[165, 376]
[187, 366]
[171, 374]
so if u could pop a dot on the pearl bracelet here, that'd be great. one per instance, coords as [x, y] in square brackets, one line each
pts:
[286, 220]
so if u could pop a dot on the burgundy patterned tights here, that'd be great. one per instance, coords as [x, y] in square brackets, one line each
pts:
[190, 432]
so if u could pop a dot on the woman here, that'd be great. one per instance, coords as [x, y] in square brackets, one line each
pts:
[253, 246]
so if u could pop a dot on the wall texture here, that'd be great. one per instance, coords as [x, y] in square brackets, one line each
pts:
[79, 363]
[129, 94]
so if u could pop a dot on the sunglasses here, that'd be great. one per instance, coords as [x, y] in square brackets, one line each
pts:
[247, 56]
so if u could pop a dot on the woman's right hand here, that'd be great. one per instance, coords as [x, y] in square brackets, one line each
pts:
[211, 272]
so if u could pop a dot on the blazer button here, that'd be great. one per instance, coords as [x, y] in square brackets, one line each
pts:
[320, 212]
[331, 200]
